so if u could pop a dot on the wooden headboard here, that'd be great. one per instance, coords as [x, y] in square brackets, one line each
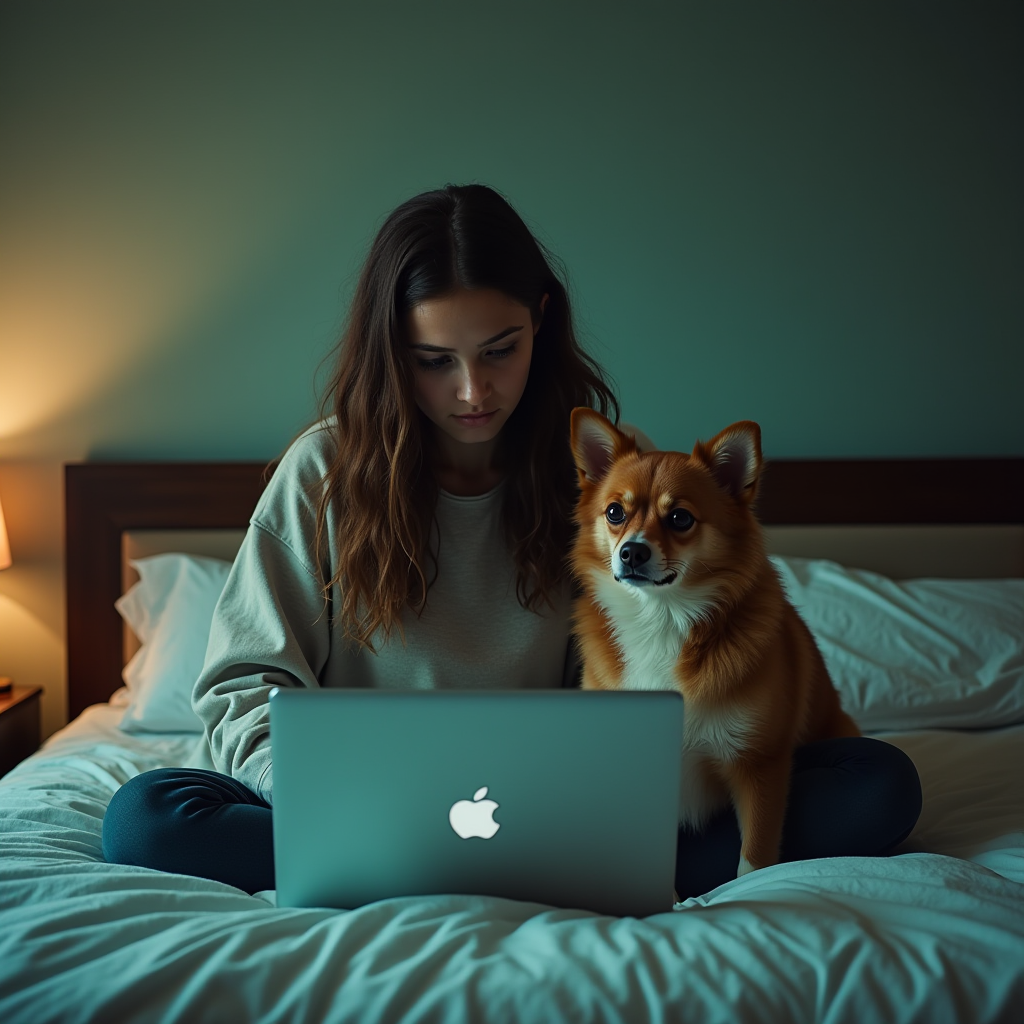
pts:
[103, 500]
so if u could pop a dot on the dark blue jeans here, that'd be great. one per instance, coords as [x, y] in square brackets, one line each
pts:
[848, 797]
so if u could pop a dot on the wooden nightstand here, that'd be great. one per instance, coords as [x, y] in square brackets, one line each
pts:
[20, 731]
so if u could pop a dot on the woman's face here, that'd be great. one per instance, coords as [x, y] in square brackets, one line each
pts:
[471, 353]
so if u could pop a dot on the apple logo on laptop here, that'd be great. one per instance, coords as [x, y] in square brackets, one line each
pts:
[473, 818]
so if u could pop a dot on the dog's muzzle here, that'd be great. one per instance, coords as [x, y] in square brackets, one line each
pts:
[634, 556]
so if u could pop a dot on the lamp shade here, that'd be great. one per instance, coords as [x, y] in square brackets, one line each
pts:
[5, 547]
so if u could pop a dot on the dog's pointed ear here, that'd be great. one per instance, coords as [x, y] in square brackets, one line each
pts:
[734, 458]
[596, 443]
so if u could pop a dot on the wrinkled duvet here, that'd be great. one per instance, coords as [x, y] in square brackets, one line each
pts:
[935, 934]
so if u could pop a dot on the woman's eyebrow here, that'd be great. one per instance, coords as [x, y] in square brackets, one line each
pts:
[490, 341]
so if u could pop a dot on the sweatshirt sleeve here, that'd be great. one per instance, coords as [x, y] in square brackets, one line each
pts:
[271, 627]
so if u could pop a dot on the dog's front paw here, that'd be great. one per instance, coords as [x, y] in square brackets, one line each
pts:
[744, 867]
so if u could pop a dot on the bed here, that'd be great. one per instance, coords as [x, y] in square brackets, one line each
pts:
[933, 934]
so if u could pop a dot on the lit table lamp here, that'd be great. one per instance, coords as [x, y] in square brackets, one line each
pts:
[5, 563]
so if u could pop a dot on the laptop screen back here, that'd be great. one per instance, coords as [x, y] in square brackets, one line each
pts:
[566, 798]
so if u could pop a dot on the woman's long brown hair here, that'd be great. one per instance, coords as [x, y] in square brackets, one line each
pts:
[379, 488]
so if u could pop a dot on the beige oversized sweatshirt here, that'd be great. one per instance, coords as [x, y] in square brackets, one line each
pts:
[271, 626]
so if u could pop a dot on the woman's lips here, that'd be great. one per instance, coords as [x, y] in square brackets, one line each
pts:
[476, 419]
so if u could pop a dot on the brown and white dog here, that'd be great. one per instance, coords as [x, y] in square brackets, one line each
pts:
[678, 593]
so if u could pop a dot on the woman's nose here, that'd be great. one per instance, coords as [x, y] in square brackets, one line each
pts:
[473, 387]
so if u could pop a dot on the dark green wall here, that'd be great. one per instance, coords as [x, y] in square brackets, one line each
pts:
[808, 214]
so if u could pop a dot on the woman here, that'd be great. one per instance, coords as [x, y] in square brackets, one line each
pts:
[417, 538]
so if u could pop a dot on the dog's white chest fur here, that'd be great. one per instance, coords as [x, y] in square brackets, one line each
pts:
[720, 733]
[649, 632]
[650, 635]
[651, 665]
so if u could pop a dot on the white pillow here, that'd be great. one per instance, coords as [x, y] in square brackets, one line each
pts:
[916, 654]
[170, 610]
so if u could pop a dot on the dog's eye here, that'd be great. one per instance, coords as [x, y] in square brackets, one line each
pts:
[681, 520]
[615, 513]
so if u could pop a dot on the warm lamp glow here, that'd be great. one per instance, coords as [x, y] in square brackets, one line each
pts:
[5, 547]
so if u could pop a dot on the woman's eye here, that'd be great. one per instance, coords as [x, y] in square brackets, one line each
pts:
[433, 364]
[680, 519]
[441, 361]
[615, 513]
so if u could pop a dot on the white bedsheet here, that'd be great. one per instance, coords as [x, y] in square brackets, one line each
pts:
[927, 936]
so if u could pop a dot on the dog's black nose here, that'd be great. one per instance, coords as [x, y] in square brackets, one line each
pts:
[634, 553]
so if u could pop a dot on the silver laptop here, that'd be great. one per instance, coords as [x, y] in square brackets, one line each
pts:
[562, 797]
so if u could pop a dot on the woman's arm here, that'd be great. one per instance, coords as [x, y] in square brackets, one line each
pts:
[271, 626]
